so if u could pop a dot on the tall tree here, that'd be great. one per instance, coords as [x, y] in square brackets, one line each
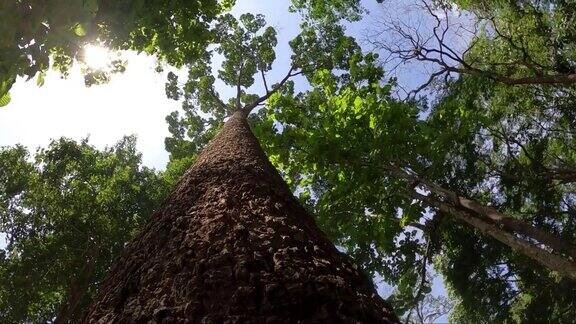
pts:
[66, 215]
[498, 144]
[232, 243]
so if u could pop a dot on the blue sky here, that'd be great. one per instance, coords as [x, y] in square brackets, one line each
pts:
[135, 103]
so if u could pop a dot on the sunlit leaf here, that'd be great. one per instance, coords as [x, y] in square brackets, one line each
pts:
[79, 30]
[41, 78]
[5, 99]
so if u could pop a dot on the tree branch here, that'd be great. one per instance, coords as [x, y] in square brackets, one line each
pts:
[407, 43]
[264, 81]
[247, 109]
[423, 280]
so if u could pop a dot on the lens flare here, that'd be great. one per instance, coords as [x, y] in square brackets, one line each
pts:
[96, 57]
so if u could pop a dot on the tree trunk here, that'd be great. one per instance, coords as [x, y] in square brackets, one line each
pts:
[78, 289]
[545, 258]
[232, 244]
[520, 227]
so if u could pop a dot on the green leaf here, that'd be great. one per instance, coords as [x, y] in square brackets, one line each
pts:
[5, 99]
[372, 124]
[79, 30]
[227, 4]
[358, 104]
[41, 78]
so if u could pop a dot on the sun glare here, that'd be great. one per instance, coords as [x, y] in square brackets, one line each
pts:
[96, 57]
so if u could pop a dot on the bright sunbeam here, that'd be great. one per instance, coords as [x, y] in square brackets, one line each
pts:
[96, 57]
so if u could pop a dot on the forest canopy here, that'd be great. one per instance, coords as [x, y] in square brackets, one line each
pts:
[468, 174]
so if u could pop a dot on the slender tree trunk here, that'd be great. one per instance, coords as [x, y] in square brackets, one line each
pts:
[562, 79]
[546, 79]
[520, 227]
[564, 175]
[546, 259]
[78, 289]
[232, 244]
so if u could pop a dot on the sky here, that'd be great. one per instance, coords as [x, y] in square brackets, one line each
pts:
[135, 102]
[132, 103]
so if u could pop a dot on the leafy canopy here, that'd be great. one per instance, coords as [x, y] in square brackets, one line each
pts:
[66, 213]
[246, 47]
[35, 35]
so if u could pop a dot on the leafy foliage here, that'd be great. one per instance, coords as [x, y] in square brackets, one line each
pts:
[544, 46]
[66, 214]
[337, 141]
[330, 142]
[246, 47]
[329, 10]
[33, 32]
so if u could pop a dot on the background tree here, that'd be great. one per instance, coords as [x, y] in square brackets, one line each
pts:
[516, 154]
[504, 146]
[66, 214]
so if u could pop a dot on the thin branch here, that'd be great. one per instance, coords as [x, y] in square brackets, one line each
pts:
[239, 88]
[247, 109]
[423, 280]
[425, 85]
[264, 81]
[404, 43]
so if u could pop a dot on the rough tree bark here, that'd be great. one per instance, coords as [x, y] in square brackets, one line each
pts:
[232, 244]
